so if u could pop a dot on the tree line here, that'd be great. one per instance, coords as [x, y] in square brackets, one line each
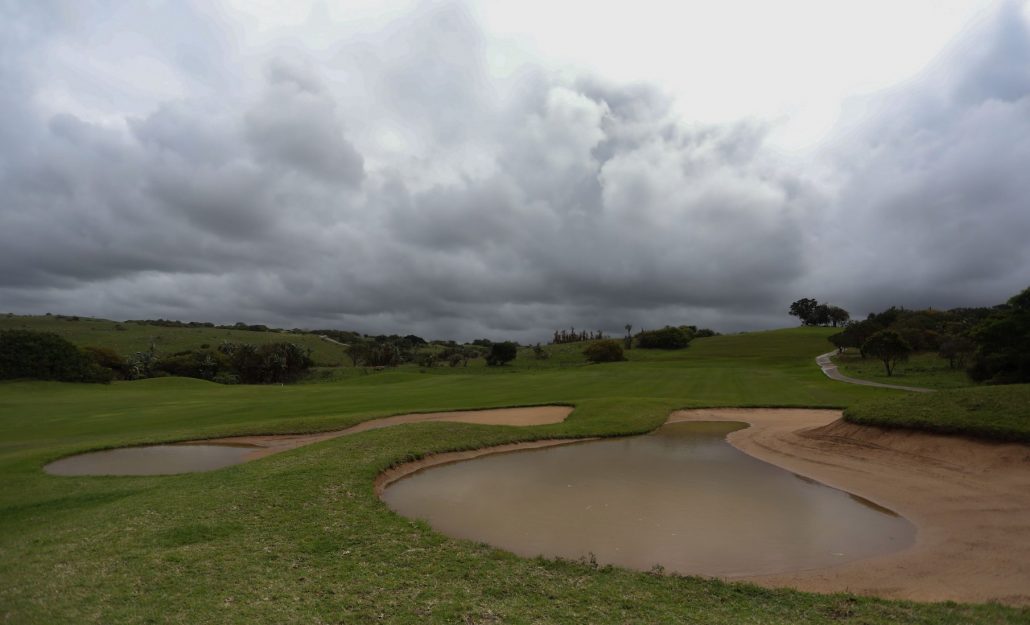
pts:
[812, 313]
[992, 344]
[48, 356]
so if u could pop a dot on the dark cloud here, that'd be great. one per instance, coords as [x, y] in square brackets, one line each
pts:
[390, 184]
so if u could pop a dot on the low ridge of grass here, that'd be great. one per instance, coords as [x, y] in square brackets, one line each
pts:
[999, 413]
[926, 369]
[300, 537]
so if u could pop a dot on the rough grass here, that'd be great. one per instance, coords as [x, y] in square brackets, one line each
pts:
[989, 412]
[300, 537]
[926, 369]
[128, 338]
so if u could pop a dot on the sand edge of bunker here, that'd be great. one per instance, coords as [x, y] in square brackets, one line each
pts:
[263, 445]
[969, 500]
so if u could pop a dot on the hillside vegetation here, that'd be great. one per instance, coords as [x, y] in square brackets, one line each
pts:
[127, 338]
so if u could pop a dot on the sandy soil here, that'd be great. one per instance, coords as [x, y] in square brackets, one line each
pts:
[275, 443]
[970, 501]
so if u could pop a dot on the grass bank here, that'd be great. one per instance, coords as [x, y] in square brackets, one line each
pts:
[300, 536]
[927, 370]
[990, 412]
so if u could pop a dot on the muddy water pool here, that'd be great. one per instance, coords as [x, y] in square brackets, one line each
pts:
[681, 498]
[151, 460]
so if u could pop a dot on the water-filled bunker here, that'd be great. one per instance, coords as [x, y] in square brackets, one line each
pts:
[151, 460]
[681, 498]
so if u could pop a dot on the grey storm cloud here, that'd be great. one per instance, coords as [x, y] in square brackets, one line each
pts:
[389, 184]
[933, 205]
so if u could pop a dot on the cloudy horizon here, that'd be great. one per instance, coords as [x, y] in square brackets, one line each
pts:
[465, 170]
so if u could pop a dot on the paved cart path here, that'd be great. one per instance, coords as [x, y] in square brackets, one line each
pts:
[831, 372]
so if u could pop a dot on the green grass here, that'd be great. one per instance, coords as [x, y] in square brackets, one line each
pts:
[927, 370]
[128, 338]
[301, 538]
[990, 412]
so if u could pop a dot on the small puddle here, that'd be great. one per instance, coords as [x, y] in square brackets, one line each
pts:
[681, 498]
[151, 460]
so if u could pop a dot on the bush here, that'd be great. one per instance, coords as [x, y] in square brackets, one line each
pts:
[109, 359]
[272, 363]
[604, 351]
[46, 356]
[501, 353]
[666, 338]
[202, 364]
[375, 354]
[1003, 344]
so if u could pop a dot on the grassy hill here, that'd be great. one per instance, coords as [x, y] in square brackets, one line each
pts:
[301, 537]
[127, 338]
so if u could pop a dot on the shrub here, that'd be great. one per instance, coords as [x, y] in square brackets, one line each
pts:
[272, 363]
[108, 359]
[604, 351]
[374, 354]
[501, 353]
[889, 347]
[666, 338]
[202, 364]
[1003, 343]
[46, 356]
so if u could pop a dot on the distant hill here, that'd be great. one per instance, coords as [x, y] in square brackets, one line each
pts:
[128, 337]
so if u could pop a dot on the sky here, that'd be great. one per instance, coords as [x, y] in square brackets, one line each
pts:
[503, 169]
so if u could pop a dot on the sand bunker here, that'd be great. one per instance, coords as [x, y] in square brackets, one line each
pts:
[210, 454]
[970, 501]
[275, 443]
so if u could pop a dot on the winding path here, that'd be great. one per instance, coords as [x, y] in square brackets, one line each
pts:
[831, 372]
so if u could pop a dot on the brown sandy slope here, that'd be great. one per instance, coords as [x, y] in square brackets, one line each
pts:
[970, 501]
[275, 443]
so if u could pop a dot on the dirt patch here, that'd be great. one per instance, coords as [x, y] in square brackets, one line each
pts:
[970, 501]
[267, 445]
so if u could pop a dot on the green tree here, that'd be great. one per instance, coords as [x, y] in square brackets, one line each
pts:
[956, 349]
[501, 353]
[1003, 344]
[804, 309]
[46, 356]
[889, 347]
[838, 316]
